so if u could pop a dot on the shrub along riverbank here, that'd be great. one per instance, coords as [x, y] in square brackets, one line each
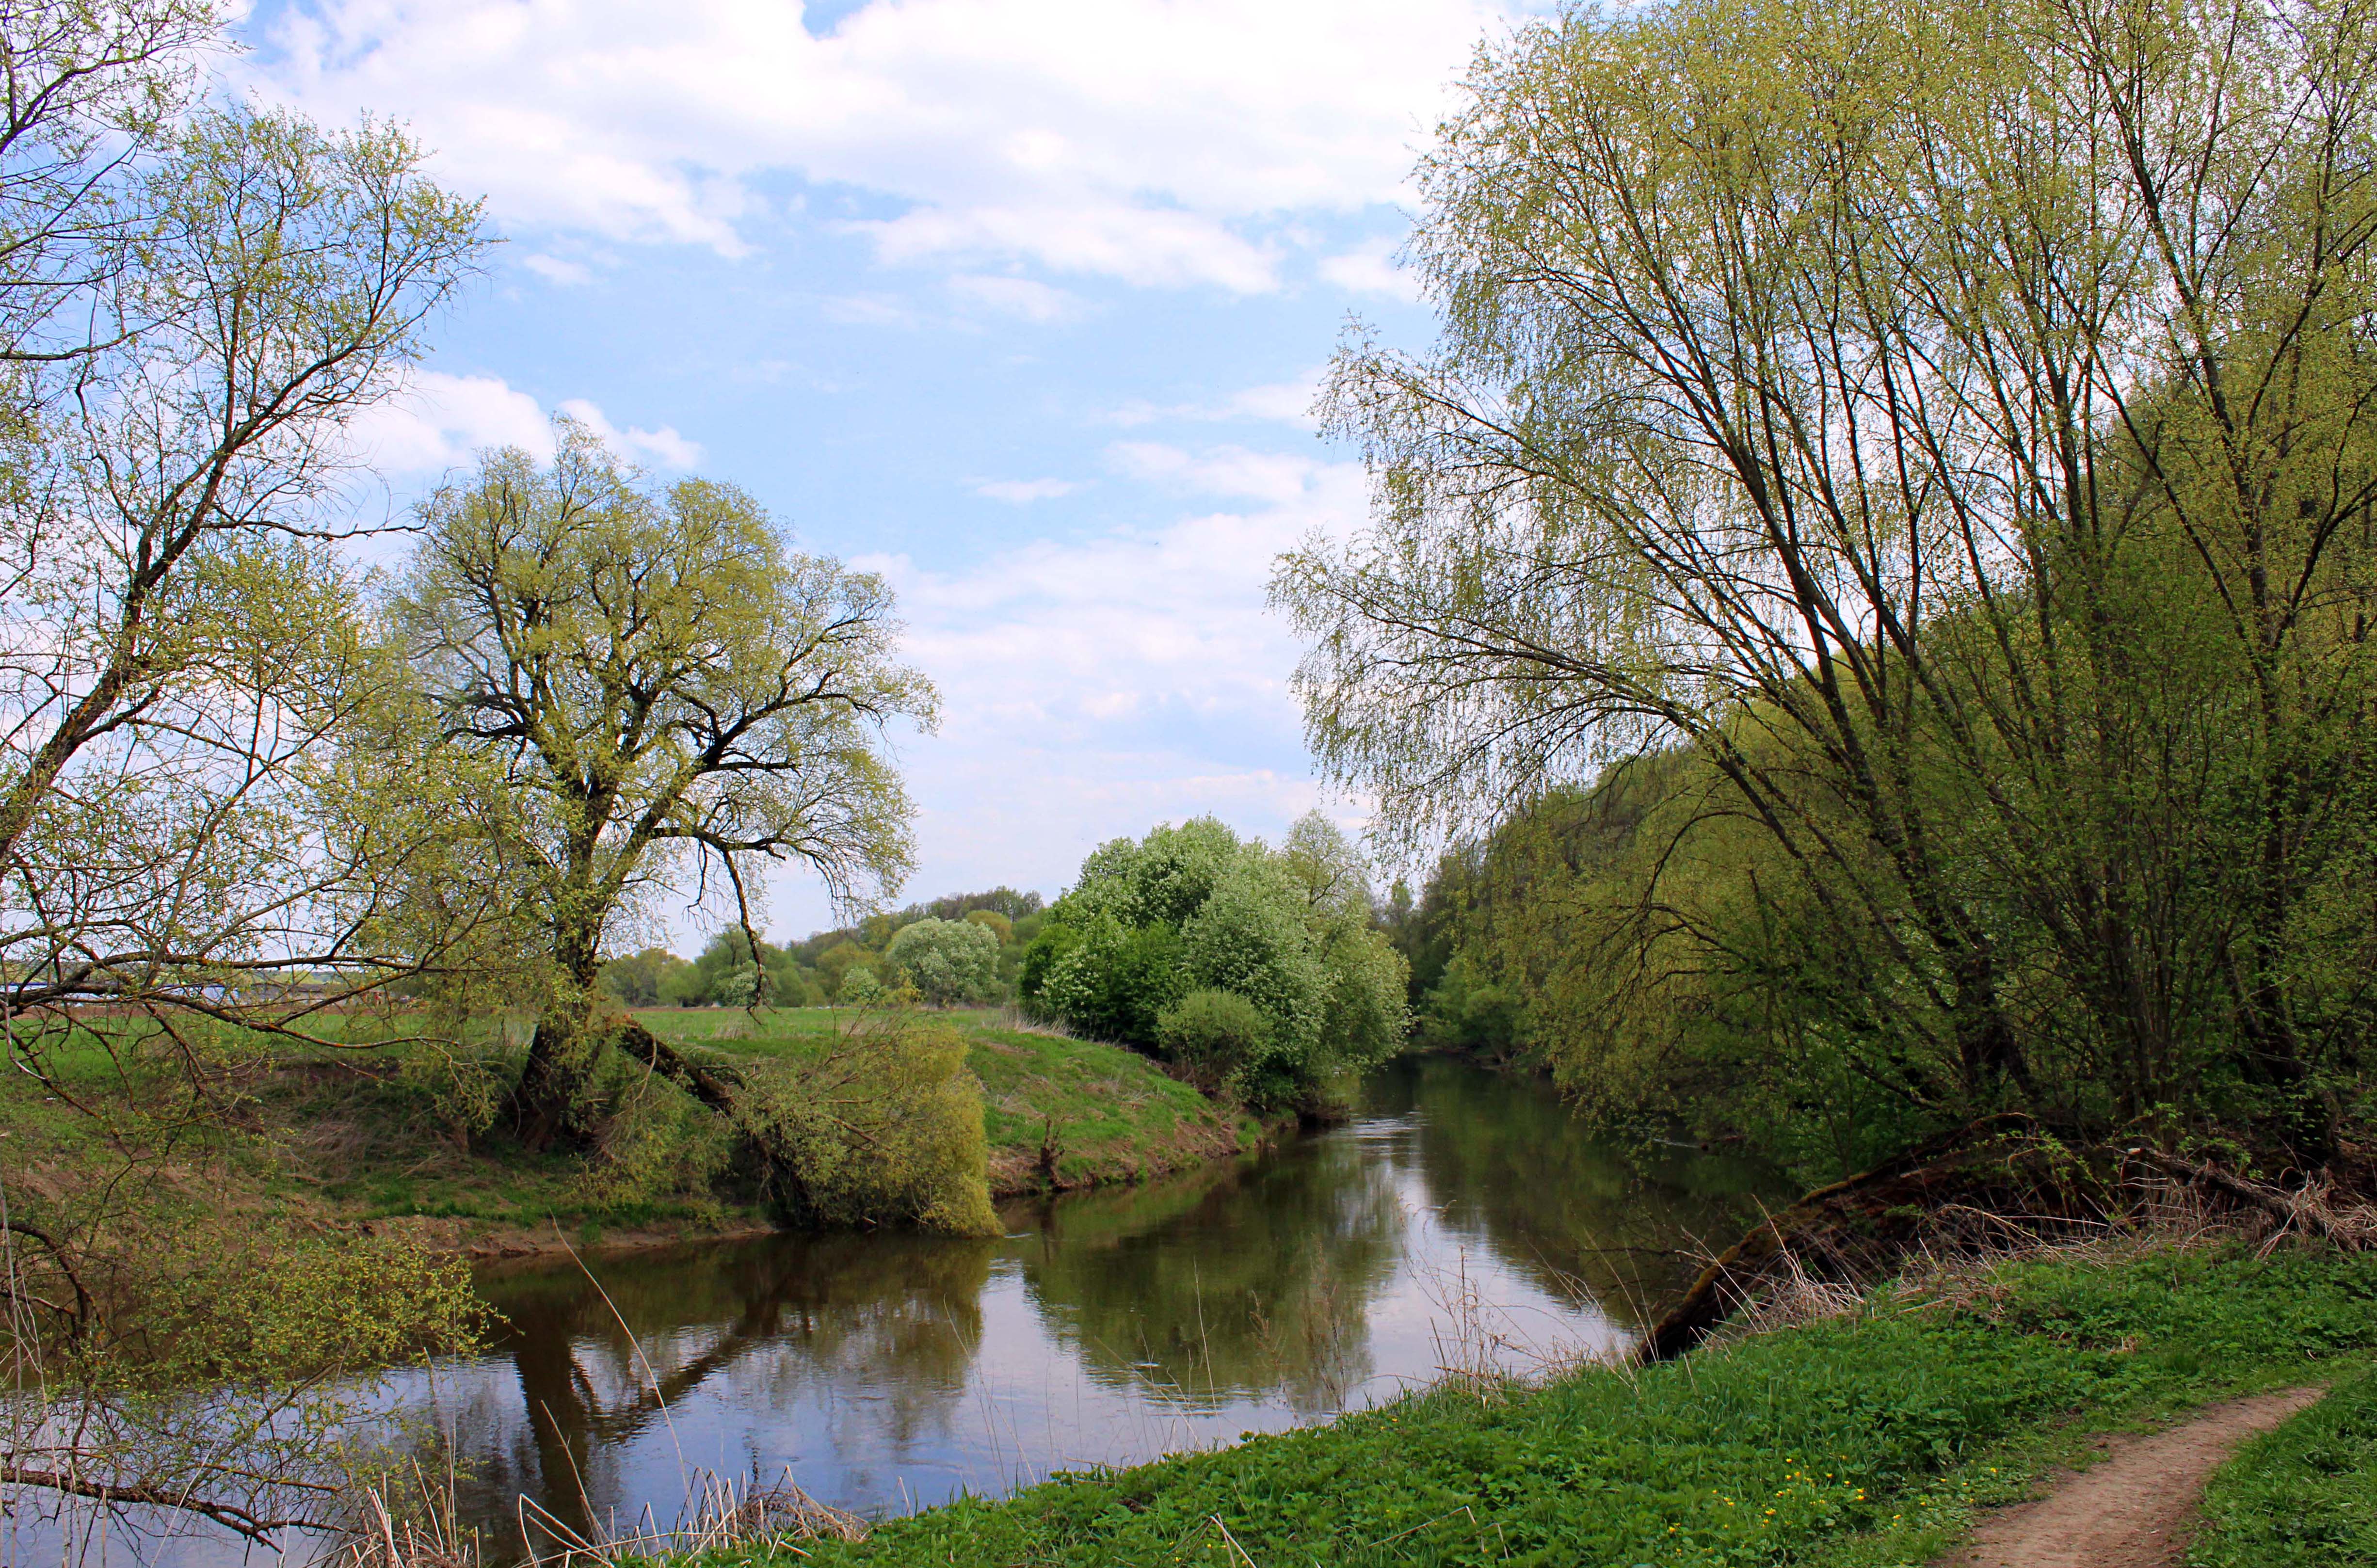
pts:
[1058, 1113]
[389, 1140]
[1855, 1443]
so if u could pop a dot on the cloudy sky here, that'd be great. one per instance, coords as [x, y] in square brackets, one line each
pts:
[1020, 302]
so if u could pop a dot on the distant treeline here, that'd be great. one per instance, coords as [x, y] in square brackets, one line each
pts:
[819, 970]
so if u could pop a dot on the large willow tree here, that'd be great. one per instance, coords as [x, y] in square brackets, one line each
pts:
[652, 684]
[1950, 424]
[196, 302]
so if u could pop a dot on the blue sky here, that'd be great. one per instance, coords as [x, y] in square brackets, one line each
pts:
[1020, 302]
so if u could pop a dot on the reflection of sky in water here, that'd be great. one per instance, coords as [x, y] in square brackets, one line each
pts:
[1464, 1221]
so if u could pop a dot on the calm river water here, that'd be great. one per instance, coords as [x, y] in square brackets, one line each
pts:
[1460, 1216]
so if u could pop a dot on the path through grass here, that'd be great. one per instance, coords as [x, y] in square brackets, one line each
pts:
[1860, 1441]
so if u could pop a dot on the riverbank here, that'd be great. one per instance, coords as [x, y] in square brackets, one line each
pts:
[890, 1370]
[376, 1142]
[1060, 1114]
[1858, 1442]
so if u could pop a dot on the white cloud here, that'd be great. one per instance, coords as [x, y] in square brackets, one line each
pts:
[1133, 677]
[1148, 248]
[663, 445]
[555, 269]
[870, 310]
[1235, 472]
[441, 422]
[1371, 268]
[1290, 402]
[1019, 492]
[1285, 402]
[1144, 139]
[1019, 297]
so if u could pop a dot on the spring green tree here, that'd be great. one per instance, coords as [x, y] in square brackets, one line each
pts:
[1212, 1035]
[1948, 423]
[193, 306]
[1194, 909]
[947, 961]
[662, 686]
[644, 978]
[197, 300]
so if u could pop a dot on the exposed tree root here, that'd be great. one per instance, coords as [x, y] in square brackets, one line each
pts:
[2001, 1178]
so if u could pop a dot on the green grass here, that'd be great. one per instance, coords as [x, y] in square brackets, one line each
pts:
[2304, 1496]
[1852, 1443]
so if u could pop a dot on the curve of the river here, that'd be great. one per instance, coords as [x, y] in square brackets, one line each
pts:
[1460, 1222]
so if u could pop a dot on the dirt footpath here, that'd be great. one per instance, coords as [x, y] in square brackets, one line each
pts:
[2134, 1510]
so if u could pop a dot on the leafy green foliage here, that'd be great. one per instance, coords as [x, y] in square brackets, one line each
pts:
[834, 964]
[646, 979]
[650, 677]
[2304, 1496]
[1013, 917]
[654, 1151]
[283, 1309]
[888, 1128]
[1212, 1035]
[1001, 928]
[197, 296]
[947, 961]
[1114, 979]
[1762, 1452]
[1963, 636]
[1195, 909]
[1055, 1109]
[173, 1327]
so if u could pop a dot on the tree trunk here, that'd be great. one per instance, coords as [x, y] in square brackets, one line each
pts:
[1735, 1276]
[549, 1103]
[717, 1088]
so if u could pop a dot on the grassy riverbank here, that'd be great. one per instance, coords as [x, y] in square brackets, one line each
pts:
[1857, 1442]
[370, 1139]
[1059, 1113]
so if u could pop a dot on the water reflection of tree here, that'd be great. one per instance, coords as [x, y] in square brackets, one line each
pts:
[1250, 1281]
[1504, 1162]
[1244, 1279]
[897, 1314]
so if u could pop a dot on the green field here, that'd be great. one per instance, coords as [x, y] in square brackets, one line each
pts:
[1859, 1442]
[376, 1137]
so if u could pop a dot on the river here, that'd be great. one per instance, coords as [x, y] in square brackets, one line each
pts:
[1460, 1222]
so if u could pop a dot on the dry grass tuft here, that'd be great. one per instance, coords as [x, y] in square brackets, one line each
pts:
[429, 1534]
[720, 1513]
[725, 1515]
[1956, 1261]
